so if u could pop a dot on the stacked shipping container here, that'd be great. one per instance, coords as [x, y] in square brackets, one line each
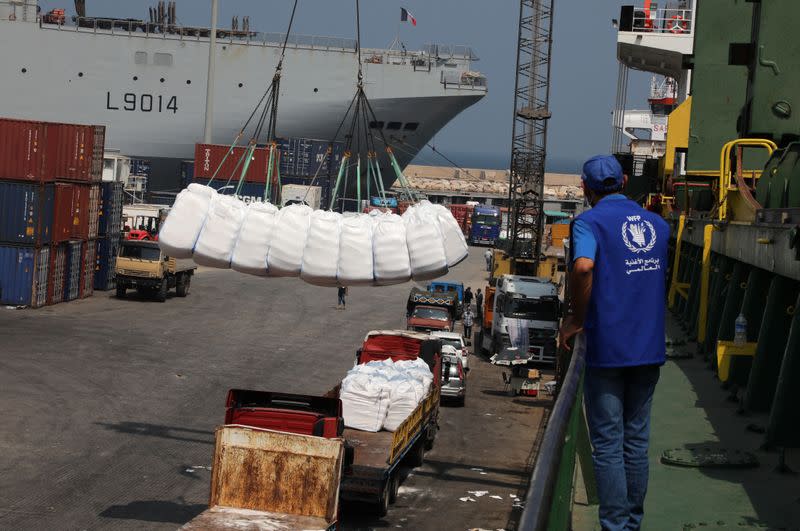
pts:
[49, 209]
[108, 235]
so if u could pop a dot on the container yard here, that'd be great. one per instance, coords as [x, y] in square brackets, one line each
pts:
[53, 210]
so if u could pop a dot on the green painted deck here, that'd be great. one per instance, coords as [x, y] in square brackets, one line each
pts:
[691, 409]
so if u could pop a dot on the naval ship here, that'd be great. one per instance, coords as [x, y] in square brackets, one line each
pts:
[146, 81]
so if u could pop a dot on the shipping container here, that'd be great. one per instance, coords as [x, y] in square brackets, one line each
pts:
[105, 257]
[21, 150]
[110, 215]
[26, 212]
[187, 173]
[208, 157]
[62, 212]
[19, 275]
[58, 269]
[69, 152]
[305, 157]
[94, 210]
[72, 217]
[73, 276]
[98, 153]
[87, 268]
[249, 193]
[42, 278]
[140, 167]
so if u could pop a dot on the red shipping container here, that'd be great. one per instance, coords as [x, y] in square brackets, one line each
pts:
[69, 152]
[72, 212]
[207, 159]
[62, 215]
[21, 150]
[81, 211]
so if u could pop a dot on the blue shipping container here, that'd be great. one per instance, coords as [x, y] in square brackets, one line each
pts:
[140, 167]
[110, 209]
[19, 275]
[303, 157]
[104, 263]
[187, 173]
[26, 212]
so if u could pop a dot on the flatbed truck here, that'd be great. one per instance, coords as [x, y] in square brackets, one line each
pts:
[354, 464]
[142, 265]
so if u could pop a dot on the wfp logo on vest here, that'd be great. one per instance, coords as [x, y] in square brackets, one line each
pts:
[638, 234]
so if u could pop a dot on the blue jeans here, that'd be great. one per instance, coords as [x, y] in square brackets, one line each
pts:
[618, 413]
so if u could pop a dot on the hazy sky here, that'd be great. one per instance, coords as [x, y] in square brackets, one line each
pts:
[584, 66]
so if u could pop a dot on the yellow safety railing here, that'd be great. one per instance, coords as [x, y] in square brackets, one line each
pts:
[725, 183]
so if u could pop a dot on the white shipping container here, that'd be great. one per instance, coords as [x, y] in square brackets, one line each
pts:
[298, 193]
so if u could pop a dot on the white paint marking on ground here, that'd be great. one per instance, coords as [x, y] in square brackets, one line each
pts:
[478, 493]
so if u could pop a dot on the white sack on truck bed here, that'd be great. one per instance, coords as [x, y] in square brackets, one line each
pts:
[255, 237]
[425, 242]
[321, 253]
[182, 227]
[455, 245]
[390, 250]
[355, 265]
[405, 395]
[365, 400]
[214, 247]
[285, 257]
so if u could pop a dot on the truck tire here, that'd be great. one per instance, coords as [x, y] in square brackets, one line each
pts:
[430, 438]
[161, 294]
[394, 486]
[121, 292]
[182, 285]
[382, 507]
[417, 454]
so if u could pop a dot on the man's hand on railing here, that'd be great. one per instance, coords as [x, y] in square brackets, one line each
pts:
[569, 329]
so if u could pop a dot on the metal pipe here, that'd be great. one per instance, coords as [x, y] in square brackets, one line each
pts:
[212, 49]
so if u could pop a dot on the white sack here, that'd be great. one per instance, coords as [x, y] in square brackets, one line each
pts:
[321, 253]
[405, 395]
[355, 251]
[425, 243]
[365, 401]
[255, 237]
[182, 227]
[214, 247]
[285, 257]
[455, 245]
[392, 264]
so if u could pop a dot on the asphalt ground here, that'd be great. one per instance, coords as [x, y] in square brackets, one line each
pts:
[109, 406]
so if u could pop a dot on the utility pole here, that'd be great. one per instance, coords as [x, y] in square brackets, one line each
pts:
[212, 52]
[529, 137]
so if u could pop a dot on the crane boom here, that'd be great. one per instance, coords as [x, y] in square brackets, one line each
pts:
[529, 137]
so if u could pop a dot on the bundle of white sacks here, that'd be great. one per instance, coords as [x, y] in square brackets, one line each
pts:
[382, 394]
[321, 247]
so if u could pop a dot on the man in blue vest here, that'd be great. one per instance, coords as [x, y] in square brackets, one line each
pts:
[617, 287]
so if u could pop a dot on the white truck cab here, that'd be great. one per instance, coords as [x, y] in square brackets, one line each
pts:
[526, 313]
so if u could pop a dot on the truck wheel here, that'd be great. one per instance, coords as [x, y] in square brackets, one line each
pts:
[121, 292]
[161, 294]
[417, 454]
[430, 439]
[182, 285]
[382, 508]
[394, 486]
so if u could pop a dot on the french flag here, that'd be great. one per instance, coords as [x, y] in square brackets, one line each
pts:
[405, 16]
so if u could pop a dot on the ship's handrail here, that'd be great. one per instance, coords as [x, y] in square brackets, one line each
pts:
[639, 19]
[548, 502]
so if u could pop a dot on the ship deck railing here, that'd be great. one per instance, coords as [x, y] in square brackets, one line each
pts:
[431, 55]
[673, 21]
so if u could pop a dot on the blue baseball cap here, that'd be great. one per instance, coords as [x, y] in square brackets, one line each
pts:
[598, 169]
